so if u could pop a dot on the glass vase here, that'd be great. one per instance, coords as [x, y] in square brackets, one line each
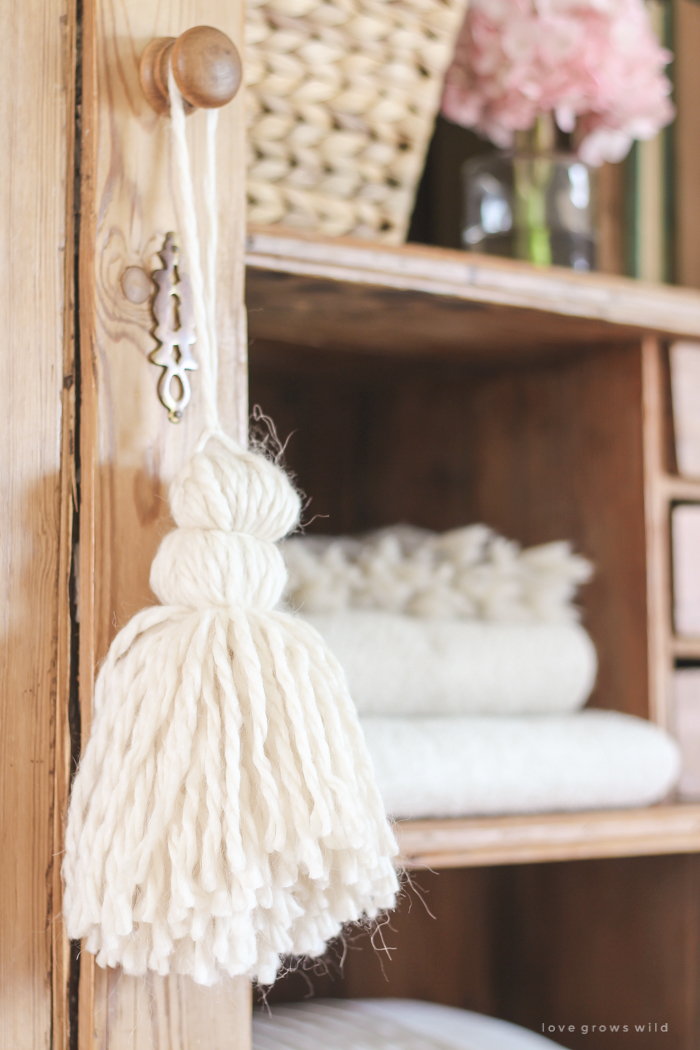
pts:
[532, 202]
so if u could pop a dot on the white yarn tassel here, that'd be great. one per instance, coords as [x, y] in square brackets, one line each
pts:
[225, 812]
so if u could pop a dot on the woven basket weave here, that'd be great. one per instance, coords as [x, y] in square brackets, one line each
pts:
[342, 95]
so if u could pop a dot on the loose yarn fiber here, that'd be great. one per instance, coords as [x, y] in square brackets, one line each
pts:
[224, 813]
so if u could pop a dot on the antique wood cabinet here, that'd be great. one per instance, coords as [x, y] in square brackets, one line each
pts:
[422, 385]
[437, 388]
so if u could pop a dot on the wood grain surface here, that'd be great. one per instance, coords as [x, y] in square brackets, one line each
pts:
[345, 315]
[581, 942]
[36, 418]
[610, 218]
[346, 293]
[657, 500]
[686, 76]
[173, 1012]
[472, 842]
[129, 449]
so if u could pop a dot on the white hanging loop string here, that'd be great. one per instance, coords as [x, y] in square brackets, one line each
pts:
[211, 203]
[204, 296]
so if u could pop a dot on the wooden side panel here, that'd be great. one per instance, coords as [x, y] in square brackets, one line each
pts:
[129, 449]
[36, 397]
[610, 247]
[686, 135]
[439, 943]
[602, 942]
[658, 522]
[541, 453]
[172, 1012]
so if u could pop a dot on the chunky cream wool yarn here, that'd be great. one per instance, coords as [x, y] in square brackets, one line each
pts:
[469, 573]
[225, 811]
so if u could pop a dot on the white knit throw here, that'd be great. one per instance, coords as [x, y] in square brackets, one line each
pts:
[469, 573]
[225, 811]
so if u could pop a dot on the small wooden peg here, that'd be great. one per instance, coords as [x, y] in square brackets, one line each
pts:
[205, 63]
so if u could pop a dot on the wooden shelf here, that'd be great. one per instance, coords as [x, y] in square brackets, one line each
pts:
[686, 648]
[319, 307]
[477, 842]
[677, 488]
[345, 294]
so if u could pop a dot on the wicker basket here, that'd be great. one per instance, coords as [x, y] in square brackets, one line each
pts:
[342, 95]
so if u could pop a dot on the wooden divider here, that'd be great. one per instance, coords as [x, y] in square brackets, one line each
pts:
[129, 450]
[36, 484]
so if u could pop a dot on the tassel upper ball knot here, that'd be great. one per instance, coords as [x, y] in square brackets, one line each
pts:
[230, 507]
[224, 487]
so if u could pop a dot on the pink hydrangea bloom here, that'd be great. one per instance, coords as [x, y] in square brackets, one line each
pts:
[596, 64]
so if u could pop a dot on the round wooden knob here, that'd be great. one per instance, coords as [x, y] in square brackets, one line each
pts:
[205, 63]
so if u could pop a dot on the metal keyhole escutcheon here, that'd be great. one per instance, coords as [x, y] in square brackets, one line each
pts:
[172, 311]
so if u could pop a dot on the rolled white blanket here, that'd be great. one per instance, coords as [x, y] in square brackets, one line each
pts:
[385, 1024]
[478, 765]
[407, 665]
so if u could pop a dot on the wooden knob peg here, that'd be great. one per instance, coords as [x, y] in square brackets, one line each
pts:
[205, 63]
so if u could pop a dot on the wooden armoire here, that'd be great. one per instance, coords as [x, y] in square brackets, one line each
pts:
[421, 385]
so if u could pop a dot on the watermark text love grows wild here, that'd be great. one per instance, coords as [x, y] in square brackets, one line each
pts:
[623, 1029]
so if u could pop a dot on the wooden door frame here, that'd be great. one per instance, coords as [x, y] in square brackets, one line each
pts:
[38, 402]
[128, 448]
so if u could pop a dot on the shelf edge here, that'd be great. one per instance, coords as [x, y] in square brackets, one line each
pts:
[480, 842]
[617, 301]
[676, 487]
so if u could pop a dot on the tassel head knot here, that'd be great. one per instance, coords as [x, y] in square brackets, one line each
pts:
[224, 487]
[230, 506]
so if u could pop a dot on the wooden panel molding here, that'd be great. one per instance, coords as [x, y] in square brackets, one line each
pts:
[658, 489]
[37, 485]
[129, 449]
[686, 136]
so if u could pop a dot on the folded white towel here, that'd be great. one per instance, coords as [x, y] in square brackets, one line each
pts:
[385, 1024]
[478, 765]
[406, 665]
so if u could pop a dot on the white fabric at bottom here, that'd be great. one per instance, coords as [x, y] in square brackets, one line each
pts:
[481, 765]
[386, 1024]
